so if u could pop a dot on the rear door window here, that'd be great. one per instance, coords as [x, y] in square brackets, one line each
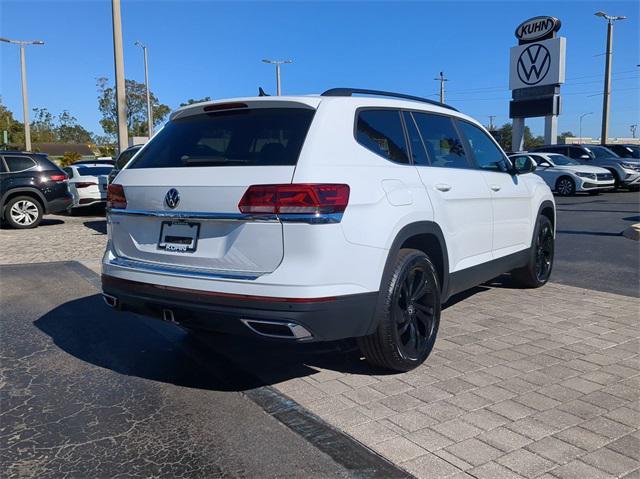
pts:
[243, 137]
[485, 152]
[441, 140]
[19, 163]
[381, 132]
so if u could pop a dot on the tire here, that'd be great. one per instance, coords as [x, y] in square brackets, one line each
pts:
[537, 271]
[23, 212]
[617, 184]
[407, 328]
[565, 186]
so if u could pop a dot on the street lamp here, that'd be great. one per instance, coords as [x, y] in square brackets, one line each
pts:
[25, 98]
[146, 86]
[581, 117]
[277, 63]
[607, 74]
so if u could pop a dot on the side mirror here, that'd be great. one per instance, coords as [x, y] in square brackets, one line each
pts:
[524, 165]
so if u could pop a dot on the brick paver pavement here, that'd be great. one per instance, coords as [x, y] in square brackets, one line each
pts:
[522, 383]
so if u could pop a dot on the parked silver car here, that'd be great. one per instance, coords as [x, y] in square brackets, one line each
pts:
[567, 176]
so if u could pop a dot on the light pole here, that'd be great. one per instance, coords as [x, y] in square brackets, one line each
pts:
[23, 75]
[607, 74]
[118, 60]
[581, 117]
[146, 87]
[277, 63]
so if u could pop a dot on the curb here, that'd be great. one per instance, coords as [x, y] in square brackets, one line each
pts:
[632, 232]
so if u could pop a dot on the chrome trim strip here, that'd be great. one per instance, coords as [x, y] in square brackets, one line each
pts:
[194, 215]
[297, 331]
[322, 218]
[145, 267]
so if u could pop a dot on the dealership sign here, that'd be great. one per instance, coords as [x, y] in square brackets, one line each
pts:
[537, 28]
[537, 64]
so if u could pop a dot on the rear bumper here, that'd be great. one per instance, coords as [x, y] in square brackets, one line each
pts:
[58, 205]
[326, 319]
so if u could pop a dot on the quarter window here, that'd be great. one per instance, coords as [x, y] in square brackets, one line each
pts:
[441, 141]
[381, 132]
[487, 155]
[19, 163]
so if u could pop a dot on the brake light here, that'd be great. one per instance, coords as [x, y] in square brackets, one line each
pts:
[115, 196]
[60, 177]
[295, 199]
[85, 184]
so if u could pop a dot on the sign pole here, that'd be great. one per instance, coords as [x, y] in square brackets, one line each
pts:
[517, 135]
[551, 129]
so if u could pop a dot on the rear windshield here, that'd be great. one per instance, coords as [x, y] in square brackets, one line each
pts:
[248, 137]
[94, 170]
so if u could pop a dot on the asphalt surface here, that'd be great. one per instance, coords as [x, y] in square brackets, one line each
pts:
[89, 393]
[590, 249]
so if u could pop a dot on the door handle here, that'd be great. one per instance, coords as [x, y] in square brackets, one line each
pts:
[443, 187]
[495, 187]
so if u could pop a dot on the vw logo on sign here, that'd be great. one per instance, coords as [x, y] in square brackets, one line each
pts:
[533, 64]
[172, 198]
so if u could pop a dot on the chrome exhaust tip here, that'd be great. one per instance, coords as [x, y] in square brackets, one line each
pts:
[276, 329]
[110, 300]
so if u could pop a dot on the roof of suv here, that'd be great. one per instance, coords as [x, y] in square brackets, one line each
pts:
[314, 101]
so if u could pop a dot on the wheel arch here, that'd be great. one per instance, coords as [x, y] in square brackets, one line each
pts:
[425, 236]
[23, 191]
[547, 208]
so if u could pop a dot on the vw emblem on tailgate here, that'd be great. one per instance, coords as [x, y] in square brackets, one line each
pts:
[172, 198]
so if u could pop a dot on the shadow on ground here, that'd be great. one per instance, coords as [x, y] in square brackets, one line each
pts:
[133, 345]
[99, 226]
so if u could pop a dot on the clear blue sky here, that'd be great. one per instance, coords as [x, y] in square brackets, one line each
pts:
[199, 48]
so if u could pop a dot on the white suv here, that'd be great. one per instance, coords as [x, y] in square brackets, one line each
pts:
[318, 218]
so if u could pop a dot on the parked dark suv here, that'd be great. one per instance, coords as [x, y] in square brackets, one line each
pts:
[123, 159]
[626, 150]
[30, 186]
[626, 171]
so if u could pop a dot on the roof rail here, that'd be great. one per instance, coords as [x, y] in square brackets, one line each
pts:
[351, 91]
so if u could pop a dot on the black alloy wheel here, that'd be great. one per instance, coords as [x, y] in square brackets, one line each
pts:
[414, 312]
[407, 315]
[544, 252]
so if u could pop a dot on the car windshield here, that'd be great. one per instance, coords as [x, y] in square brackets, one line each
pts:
[632, 151]
[562, 160]
[601, 152]
[94, 170]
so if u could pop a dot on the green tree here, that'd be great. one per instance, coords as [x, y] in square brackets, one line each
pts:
[503, 136]
[191, 101]
[69, 157]
[43, 128]
[562, 136]
[136, 107]
[68, 130]
[14, 128]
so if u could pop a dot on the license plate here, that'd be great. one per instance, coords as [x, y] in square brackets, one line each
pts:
[179, 236]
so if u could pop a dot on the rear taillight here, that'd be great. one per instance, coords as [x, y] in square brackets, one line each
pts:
[85, 184]
[115, 196]
[60, 177]
[295, 199]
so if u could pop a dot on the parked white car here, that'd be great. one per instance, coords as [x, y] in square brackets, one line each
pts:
[317, 218]
[567, 176]
[87, 184]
